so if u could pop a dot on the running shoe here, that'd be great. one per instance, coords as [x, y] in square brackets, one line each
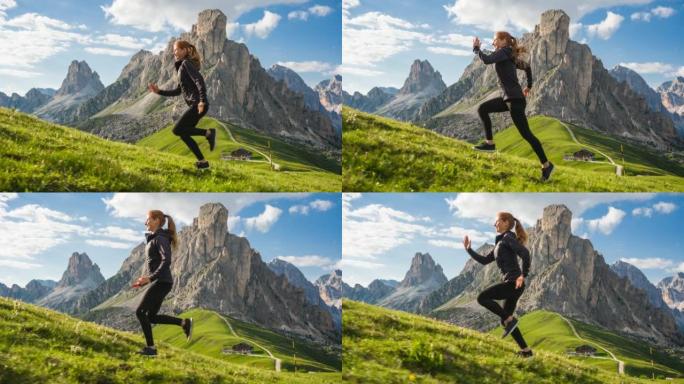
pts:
[485, 147]
[546, 172]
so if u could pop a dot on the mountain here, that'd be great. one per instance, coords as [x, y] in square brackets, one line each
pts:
[296, 278]
[34, 290]
[569, 83]
[293, 81]
[567, 276]
[422, 83]
[376, 290]
[239, 89]
[80, 277]
[330, 288]
[216, 270]
[639, 85]
[672, 289]
[672, 95]
[33, 99]
[423, 277]
[80, 85]
[330, 96]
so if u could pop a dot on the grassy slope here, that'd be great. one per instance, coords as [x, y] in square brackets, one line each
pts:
[548, 331]
[39, 156]
[385, 346]
[558, 142]
[39, 346]
[211, 335]
[288, 156]
[381, 154]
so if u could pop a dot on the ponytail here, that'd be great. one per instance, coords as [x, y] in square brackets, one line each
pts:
[520, 232]
[518, 50]
[172, 231]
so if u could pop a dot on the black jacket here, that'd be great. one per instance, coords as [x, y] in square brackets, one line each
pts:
[506, 66]
[191, 84]
[505, 252]
[158, 255]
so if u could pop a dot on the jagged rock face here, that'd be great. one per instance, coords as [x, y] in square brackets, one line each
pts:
[297, 278]
[34, 290]
[296, 84]
[330, 96]
[375, 98]
[569, 83]
[80, 277]
[569, 277]
[217, 270]
[376, 290]
[80, 85]
[239, 90]
[33, 99]
[639, 280]
[672, 95]
[639, 85]
[672, 289]
[423, 277]
[330, 288]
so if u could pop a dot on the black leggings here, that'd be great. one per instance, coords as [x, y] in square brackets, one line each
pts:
[186, 127]
[503, 291]
[149, 306]
[517, 108]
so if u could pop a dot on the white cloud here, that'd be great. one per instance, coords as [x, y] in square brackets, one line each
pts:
[528, 207]
[33, 21]
[607, 223]
[320, 10]
[265, 220]
[301, 209]
[648, 263]
[524, 15]
[5, 263]
[316, 205]
[574, 29]
[347, 70]
[664, 207]
[661, 12]
[231, 28]
[298, 15]
[450, 51]
[21, 73]
[108, 244]
[263, 27]
[177, 14]
[108, 51]
[655, 67]
[642, 211]
[446, 244]
[309, 261]
[233, 222]
[120, 233]
[307, 66]
[184, 207]
[606, 28]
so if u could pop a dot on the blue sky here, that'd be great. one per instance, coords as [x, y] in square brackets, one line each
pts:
[40, 231]
[382, 232]
[45, 36]
[381, 39]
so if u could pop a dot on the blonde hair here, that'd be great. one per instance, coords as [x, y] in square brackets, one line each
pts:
[163, 219]
[520, 233]
[193, 55]
[518, 50]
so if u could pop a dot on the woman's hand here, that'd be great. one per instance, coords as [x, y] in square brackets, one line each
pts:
[153, 88]
[466, 242]
[476, 42]
[526, 91]
[519, 282]
[142, 281]
[200, 107]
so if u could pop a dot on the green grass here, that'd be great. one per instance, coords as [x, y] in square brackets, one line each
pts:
[211, 335]
[385, 155]
[42, 346]
[385, 346]
[289, 157]
[548, 331]
[39, 156]
[558, 142]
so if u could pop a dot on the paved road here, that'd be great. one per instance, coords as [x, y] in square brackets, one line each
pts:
[230, 134]
[621, 364]
[618, 168]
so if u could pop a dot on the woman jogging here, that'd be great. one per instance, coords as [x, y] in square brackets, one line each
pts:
[191, 85]
[506, 60]
[506, 250]
[158, 258]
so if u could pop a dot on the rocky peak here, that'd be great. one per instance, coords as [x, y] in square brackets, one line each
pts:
[210, 30]
[80, 269]
[422, 77]
[423, 269]
[556, 223]
[79, 77]
[672, 289]
[213, 222]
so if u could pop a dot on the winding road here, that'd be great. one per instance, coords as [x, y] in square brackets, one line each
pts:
[619, 169]
[276, 166]
[621, 364]
[278, 362]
